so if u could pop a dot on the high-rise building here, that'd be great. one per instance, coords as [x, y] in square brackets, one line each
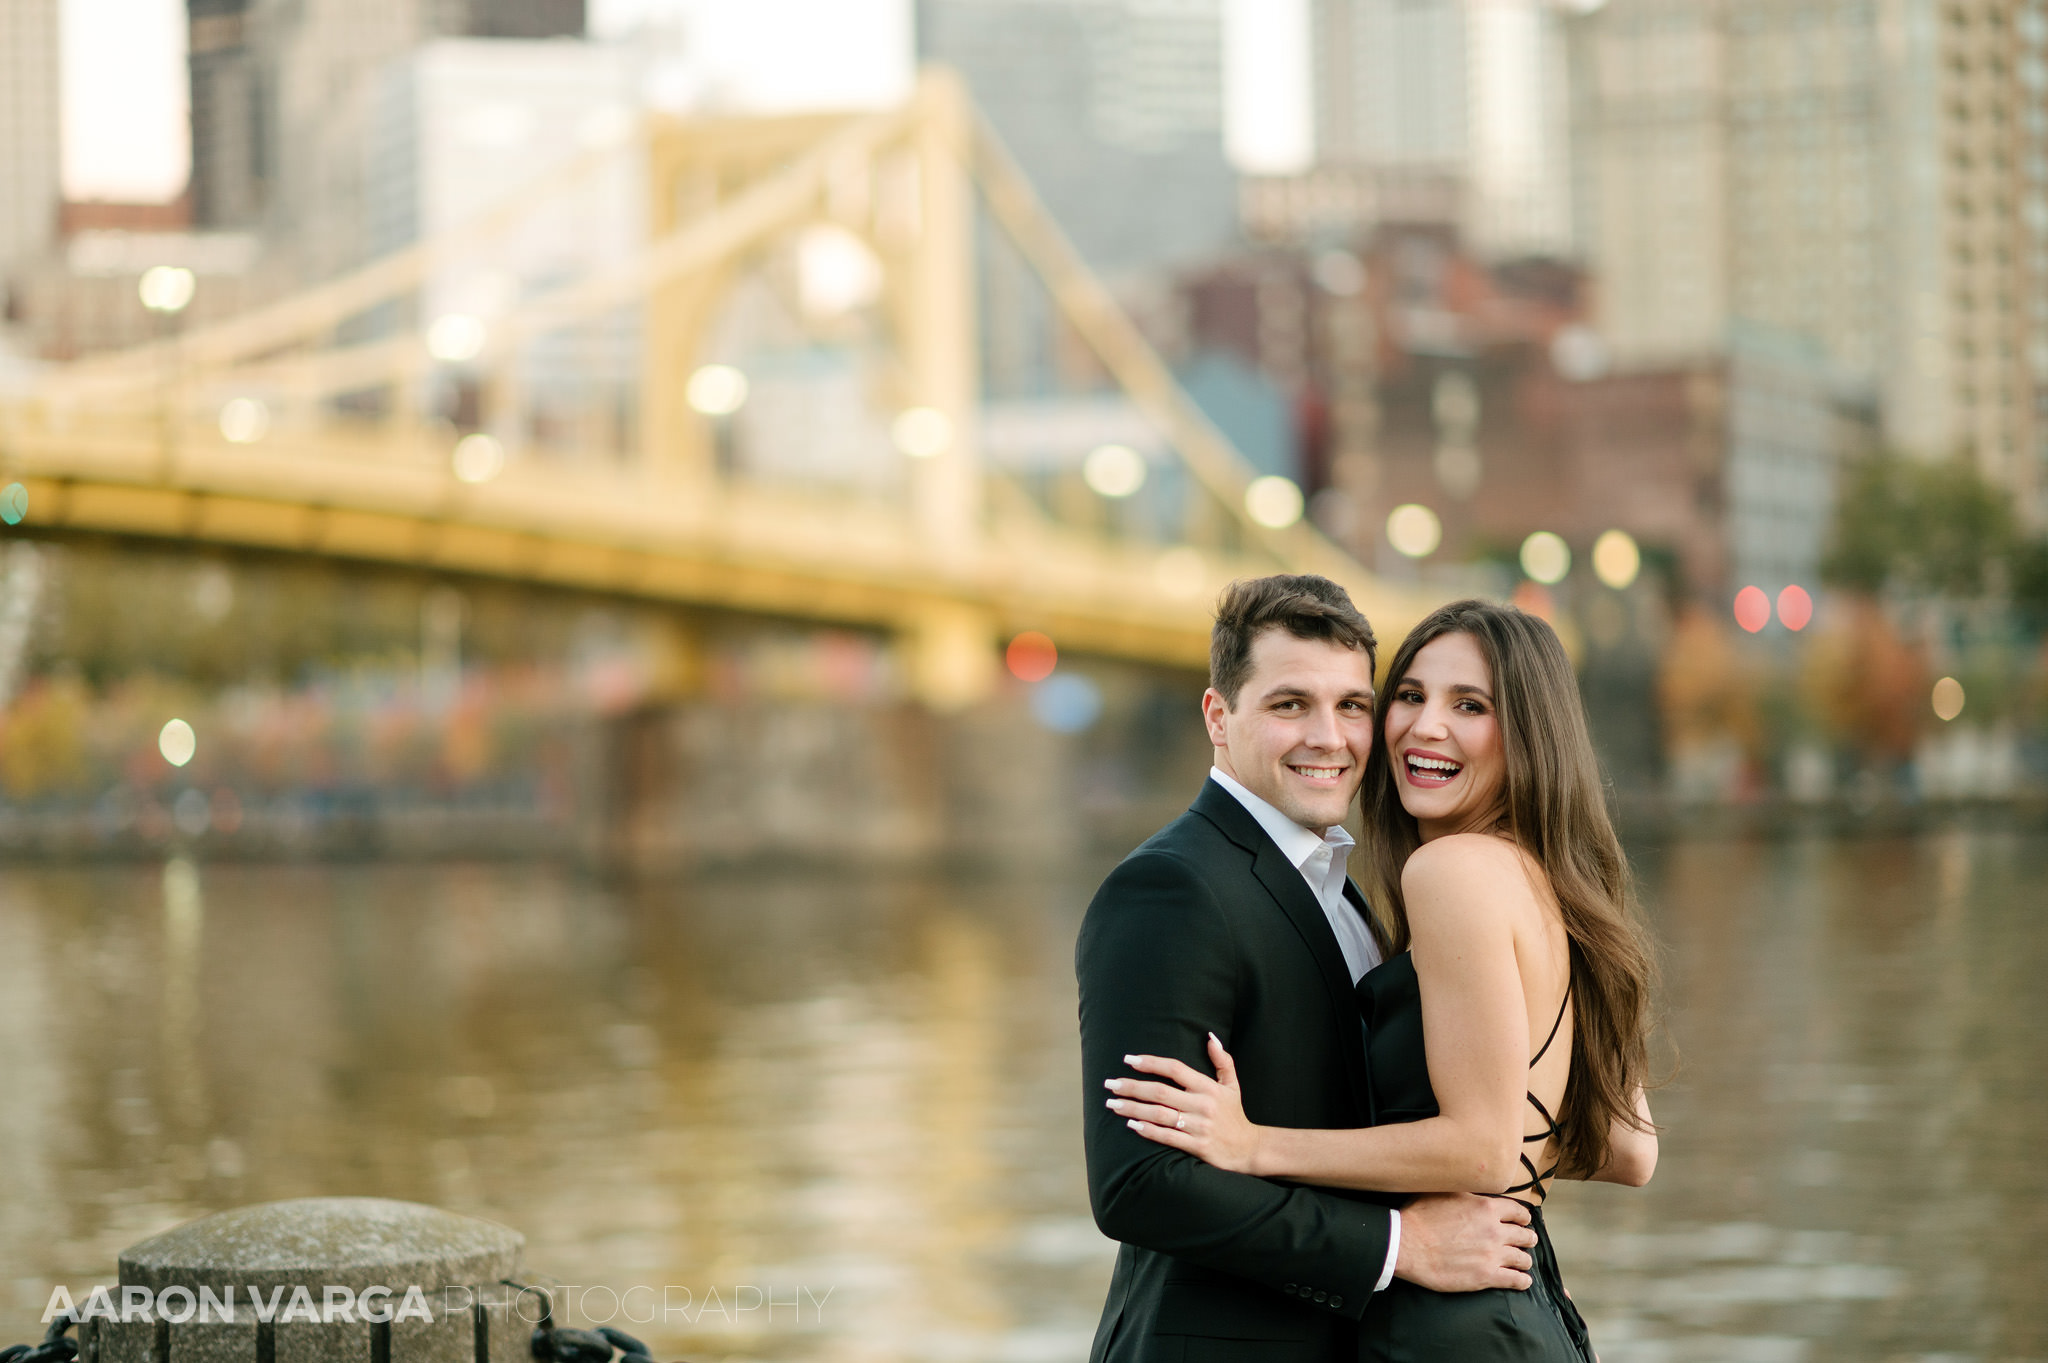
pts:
[1114, 108]
[231, 116]
[1473, 90]
[1392, 86]
[458, 127]
[29, 185]
[1651, 142]
[1875, 181]
[1735, 149]
[282, 97]
[1518, 129]
[1994, 61]
[1783, 418]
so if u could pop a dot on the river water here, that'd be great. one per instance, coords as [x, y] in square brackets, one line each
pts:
[834, 1116]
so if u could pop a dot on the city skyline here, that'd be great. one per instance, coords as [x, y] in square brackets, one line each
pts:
[126, 106]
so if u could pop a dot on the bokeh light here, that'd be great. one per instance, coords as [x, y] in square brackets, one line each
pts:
[1948, 699]
[1414, 530]
[1114, 470]
[923, 432]
[478, 458]
[716, 390]
[13, 503]
[1616, 559]
[244, 421]
[177, 742]
[166, 288]
[1795, 607]
[1752, 609]
[1273, 501]
[455, 338]
[1537, 600]
[1031, 656]
[1546, 557]
[1066, 704]
[837, 272]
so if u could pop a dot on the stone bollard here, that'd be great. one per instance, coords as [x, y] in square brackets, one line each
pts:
[458, 1263]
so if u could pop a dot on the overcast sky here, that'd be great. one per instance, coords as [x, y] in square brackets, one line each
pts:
[125, 111]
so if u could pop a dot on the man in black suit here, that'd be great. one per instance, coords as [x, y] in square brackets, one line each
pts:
[1238, 918]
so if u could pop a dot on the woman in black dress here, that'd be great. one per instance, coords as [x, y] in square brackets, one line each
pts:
[1507, 1028]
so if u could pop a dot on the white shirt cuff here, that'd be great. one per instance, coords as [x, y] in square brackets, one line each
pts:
[1393, 1250]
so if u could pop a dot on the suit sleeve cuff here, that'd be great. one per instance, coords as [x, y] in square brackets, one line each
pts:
[1393, 1250]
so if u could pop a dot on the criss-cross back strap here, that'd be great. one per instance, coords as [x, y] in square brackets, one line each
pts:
[1563, 1004]
[1551, 1126]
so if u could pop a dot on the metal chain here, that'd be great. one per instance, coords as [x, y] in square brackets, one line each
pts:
[561, 1345]
[57, 1345]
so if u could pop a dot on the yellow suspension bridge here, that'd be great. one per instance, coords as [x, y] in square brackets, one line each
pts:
[952, 555]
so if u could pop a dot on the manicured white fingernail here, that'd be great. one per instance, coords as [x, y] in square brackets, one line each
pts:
[1132, 1125]
[1130, 1060]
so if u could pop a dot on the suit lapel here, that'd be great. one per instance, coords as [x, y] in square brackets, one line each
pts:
[1290, 893]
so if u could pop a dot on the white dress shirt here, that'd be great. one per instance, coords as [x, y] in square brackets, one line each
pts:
[1321, 858]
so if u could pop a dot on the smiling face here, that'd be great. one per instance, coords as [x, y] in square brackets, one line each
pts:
[1443, 738]
[1298, 735]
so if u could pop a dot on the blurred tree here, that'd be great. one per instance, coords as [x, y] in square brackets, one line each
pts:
[1933, 527]
[1865, 684]
[1704, 691]
[1964, 586]
[41, 739]
[2029, 584]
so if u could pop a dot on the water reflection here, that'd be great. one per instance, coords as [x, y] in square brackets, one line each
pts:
[1850, 1170]
[821, 1117]
[833, 1117]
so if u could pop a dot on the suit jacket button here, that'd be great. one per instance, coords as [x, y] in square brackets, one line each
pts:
[1322, 1296]
[1291, 1289]
[1336, 1302]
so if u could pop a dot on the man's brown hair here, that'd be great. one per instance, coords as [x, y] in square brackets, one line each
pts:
[1306, 606]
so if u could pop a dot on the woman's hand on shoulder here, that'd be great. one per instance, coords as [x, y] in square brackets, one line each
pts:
[1202, 1116]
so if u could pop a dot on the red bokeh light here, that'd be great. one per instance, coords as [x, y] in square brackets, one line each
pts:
[1752, 609]
[1795, 607]
[1536, 600]
[1031, 656]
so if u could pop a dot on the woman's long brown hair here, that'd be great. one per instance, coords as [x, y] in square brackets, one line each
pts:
[1553, 807]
